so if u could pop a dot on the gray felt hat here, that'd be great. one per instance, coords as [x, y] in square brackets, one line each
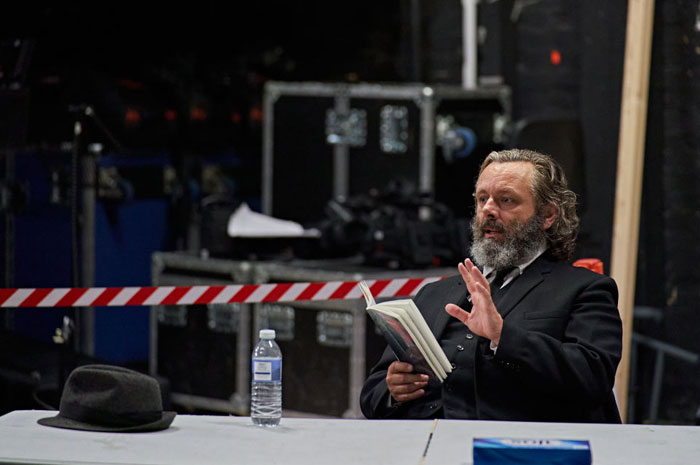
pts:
[112, 399]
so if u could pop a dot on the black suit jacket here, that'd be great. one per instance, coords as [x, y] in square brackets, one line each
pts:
[556, 359]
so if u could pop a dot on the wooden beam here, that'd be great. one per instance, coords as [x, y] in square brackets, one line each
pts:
[630, 166]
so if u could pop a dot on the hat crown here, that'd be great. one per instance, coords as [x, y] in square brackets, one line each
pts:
[114, 388]
[111, 395]
[110, 398]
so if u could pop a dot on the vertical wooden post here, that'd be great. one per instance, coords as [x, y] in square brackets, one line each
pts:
[630, 165]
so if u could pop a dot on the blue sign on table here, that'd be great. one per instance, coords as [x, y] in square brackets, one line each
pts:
[505, 451]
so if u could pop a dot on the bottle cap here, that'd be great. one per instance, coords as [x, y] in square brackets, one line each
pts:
[267, 334]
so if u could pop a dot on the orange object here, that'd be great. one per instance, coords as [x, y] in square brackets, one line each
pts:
[593, 264]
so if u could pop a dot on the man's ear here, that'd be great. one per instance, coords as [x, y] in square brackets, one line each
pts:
[551, 212]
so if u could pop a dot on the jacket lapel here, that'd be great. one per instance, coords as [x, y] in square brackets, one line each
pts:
[522, 285]
[457, 294]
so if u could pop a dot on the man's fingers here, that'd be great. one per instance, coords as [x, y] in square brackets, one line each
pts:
[479, 278]
[464, 273]
[396, 379]
[402, 392]
[472, 276]
[400, 373]
[457, 312]
[406, 397]
[475, 274]
[481, 295]
[403, 384]
[406, 388]
[466, 277]
[400, 367]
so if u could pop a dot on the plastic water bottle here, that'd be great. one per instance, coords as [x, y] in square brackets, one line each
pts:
[266, 387]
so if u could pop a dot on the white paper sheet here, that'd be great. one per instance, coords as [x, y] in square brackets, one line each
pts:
[244, 222]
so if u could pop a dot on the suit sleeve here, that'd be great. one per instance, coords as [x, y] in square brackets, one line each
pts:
[569, 347]
[375, 400]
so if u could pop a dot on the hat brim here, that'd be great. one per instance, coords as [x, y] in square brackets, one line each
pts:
[62, 422]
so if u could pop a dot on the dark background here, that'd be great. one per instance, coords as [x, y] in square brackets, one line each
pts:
[152, 72]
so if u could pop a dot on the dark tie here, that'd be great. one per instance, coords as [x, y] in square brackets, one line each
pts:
[498, 281]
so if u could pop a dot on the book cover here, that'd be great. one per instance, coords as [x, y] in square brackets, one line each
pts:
[402, 343]
[408, 335]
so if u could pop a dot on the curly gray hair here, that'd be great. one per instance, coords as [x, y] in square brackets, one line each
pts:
[549, 187]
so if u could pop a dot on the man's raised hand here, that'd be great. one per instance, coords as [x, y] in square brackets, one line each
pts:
[484, 319]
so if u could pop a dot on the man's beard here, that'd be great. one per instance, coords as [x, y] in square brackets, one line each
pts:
[520, 243]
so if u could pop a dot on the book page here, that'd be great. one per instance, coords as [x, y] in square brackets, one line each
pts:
[369, 298]
[423, 329]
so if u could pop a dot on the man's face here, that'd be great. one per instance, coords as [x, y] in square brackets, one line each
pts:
[503, 196]
[506, 229]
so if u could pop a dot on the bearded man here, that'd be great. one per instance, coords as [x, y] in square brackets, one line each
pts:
[529, 337]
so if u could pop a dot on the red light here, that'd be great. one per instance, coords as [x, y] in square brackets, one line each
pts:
[235, 117]
[170, 115]
[132, 116]
[198, 114]
[131, 84]
[256, 114]
[555, 57]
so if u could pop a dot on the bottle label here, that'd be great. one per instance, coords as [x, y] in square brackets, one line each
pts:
[267, 371]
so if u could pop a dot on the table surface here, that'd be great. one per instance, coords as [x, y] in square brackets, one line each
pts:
[232, 440]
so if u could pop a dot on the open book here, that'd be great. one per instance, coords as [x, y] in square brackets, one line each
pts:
[408, 335]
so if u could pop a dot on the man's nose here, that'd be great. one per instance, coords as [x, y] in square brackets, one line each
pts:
[490, 208]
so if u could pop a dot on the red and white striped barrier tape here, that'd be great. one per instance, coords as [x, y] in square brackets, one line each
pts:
[198, 295]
